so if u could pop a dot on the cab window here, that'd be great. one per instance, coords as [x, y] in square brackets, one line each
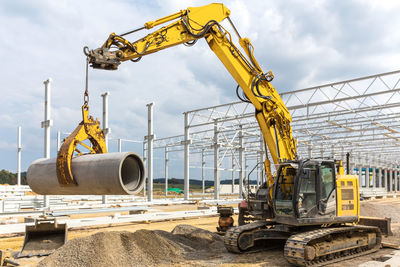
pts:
[327, 180]
[307, 191]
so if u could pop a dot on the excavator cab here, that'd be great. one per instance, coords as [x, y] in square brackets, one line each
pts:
[306, 193]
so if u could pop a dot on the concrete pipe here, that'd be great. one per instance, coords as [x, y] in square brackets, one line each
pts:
[96, 174]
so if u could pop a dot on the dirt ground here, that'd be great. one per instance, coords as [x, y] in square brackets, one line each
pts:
[271, 257]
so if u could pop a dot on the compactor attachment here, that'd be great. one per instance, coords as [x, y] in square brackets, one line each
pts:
[42, 238]
[225, 220]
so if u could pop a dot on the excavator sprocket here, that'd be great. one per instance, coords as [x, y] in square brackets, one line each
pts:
[250, 237]
[329, 245]
[233, 234]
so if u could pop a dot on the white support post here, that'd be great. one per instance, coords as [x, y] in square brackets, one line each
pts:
[216, 161]
[384, 182]
[46, 124]
[145, 164]
[166, 170]
[58, 140]
[106, 130]
[119, 145]
[241, 162]
[379, 177]
[150, 140]
[19, 148]
[258, 170]
[233, 172]
[262, 154]
[390, 180]
[373, 177]
[203, 164]
[245, 168]
[186, 155]
[309, 149]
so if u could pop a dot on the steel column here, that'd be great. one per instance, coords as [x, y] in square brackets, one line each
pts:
[384, 184]
[58, 140]
[309, 149]
[46, 124]
[19, 148]
[166, 169]
[216, 161]
[119, 145]
[233, 172]
[262, 154]
[186, 151]
[241, 162]
[145, 164]
[106, 130]
[150, 140]
[203, 164]
[373, 177]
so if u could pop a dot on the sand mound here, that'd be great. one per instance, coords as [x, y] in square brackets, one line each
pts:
[141, 248]
[381, 209]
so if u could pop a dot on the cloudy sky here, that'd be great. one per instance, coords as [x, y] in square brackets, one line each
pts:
[305, 43]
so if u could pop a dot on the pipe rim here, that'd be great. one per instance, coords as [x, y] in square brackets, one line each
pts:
[132, 179]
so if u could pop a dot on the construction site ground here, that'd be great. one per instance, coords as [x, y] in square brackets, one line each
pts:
[389, 207]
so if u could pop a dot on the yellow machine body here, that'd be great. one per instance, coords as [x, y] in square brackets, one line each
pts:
[348, 195]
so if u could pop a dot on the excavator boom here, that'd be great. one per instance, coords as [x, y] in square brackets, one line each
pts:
[204, 22]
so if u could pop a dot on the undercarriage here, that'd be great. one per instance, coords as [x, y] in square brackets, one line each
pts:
[306, 246]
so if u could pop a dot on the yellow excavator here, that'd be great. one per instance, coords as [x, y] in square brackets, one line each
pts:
[311, 204]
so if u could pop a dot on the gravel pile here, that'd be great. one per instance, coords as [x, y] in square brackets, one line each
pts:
[141, 248]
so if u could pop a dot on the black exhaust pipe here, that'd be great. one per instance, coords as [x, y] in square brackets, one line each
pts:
[347, 163]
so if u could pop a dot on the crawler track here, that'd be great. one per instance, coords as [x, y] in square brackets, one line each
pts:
[232, 236]
[297, 245]
[311, 248]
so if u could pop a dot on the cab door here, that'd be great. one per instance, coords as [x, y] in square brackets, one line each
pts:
[307, 190]
[316, 195]
[327, 189]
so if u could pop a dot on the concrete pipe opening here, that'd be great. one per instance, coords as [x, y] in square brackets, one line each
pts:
[132, 173]
[96, 174]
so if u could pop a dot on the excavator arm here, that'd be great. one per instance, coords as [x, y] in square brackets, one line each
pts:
[204, 22]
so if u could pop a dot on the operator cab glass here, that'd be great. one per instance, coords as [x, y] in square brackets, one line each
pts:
[307, 197]
[305, 189]
[284, 189]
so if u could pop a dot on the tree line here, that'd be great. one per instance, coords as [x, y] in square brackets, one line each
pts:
[10, 178]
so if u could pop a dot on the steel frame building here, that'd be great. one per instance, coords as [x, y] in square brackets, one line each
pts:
[358, 116]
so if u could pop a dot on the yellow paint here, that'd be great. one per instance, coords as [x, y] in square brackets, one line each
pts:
[203, 22]
[348, 195]
[88, 129]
